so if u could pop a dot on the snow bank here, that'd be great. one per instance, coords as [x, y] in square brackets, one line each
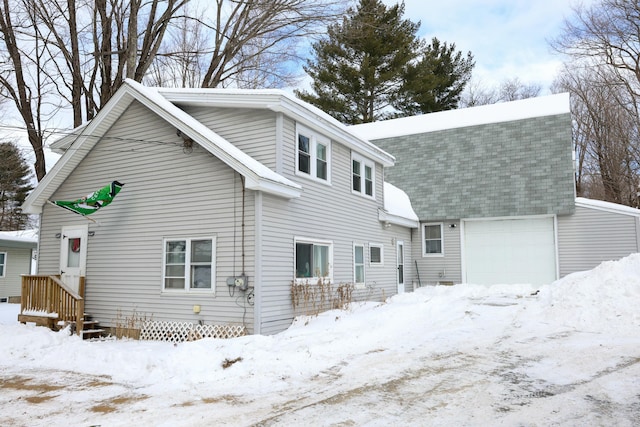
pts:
[560, 334]
[601, 299]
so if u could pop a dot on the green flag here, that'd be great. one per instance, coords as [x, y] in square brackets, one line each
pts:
[92, 202]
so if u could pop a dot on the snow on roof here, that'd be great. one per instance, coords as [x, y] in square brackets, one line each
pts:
[473, 116]
[396, 202]
[397, 207]
[29, 236]
[607, 206]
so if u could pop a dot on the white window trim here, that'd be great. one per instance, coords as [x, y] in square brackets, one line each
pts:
[314, 139]
[424, 246]
[314, 279]
[188, 289]
[4, 265]
[381, 247]
[364, 263]
[364, 162]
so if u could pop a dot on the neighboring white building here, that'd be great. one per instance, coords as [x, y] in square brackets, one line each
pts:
[17, 257]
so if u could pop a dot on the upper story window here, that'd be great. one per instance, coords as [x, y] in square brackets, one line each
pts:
[313, 154]
[189, 264]
[432, 242]
[363, 175]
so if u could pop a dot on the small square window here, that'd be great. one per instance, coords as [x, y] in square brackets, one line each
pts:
[375, 254]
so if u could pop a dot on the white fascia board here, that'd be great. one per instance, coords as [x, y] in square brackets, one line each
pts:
[333, 129]
[275, 188]
[384, 216]
[607, 206]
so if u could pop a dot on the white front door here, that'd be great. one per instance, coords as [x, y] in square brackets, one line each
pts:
[73, 254]
[400, 265]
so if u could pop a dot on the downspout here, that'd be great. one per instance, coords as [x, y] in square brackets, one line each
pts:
[242, 224]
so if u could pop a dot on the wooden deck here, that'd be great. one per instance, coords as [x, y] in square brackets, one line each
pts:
[46, 301]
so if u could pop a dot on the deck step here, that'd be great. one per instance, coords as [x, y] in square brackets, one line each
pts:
[92, 331]
[86, 323]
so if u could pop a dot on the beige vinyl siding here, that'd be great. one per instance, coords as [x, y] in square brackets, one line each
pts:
[323, 212]
[169, 193]
[434, 269]
[18, 262]
[591, 236]
[251, 130]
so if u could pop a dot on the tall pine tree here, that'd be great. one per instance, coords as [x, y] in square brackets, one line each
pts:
[15, 185]
[372, 66]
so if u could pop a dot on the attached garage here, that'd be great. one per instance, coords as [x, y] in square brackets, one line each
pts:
[519, 250]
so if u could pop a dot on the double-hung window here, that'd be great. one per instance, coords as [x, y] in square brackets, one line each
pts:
[363, 175]
[314, 259]
[189, 264]
[313, 153]
[358, 264]
[432, 243]
[3, 263]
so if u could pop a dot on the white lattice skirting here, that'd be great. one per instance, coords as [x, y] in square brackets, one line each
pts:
[184, 331]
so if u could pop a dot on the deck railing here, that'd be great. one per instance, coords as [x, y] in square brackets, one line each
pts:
[48, 296]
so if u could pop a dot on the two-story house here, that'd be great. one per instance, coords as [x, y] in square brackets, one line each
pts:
[230, 197]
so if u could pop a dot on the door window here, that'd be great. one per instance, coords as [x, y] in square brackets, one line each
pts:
[73, 252]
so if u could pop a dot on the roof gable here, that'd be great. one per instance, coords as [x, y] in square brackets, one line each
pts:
[257, 176]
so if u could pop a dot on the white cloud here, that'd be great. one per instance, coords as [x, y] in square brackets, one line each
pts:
[508, 38]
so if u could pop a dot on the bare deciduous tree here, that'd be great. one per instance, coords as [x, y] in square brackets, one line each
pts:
[605, 134]
[476, 93]
[602, 44]
[245, 43]
[72, 55]
[607, 32]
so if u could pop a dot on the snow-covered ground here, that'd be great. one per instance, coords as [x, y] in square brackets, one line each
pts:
[565, 354]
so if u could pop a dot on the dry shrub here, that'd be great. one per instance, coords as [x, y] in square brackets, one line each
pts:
[130, 326]
[310, 299]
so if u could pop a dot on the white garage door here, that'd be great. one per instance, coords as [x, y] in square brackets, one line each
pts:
[510, 251]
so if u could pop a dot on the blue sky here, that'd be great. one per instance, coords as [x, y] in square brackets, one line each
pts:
[508, 38]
